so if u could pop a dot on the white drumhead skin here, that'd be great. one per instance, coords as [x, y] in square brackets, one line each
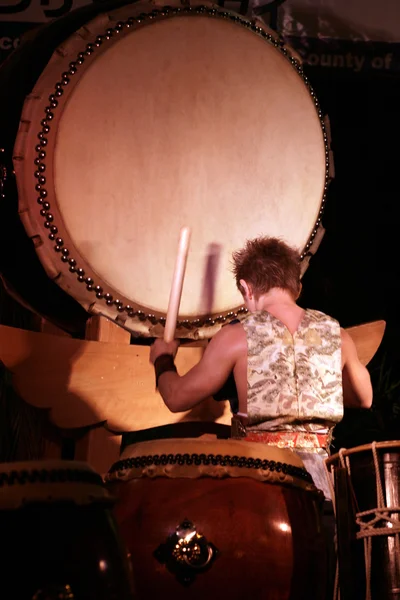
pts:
[190, 121]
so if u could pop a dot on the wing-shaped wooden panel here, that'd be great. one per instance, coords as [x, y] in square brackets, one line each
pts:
[86, 382]
[367, 338]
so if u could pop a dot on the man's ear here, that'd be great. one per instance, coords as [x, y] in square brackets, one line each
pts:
[300, 290]
[247, 289]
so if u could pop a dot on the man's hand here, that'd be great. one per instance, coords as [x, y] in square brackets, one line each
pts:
[160, 347]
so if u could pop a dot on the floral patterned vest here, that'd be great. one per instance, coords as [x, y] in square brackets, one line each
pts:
[293, 382]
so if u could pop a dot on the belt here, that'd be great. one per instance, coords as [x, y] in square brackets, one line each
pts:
[288, 439]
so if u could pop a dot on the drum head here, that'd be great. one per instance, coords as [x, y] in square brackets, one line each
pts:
[142, 124]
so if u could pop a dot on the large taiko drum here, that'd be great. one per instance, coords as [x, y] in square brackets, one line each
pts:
[366, 480]
[226, 519]
[149, 118]
[59, 539]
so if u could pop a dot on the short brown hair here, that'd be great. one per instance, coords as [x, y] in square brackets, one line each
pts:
[267, 263]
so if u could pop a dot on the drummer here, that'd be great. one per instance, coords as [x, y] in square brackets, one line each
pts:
[294, 369]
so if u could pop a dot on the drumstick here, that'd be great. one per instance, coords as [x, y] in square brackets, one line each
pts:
[177, 284]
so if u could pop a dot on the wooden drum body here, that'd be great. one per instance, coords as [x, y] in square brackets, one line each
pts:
[149, 118]
[230, 519]
[367, 492]
[58, 535]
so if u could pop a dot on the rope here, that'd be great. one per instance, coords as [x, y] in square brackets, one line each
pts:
[368, 529]
[329, 478]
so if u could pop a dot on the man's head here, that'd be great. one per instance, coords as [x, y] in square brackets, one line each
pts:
[266, 263]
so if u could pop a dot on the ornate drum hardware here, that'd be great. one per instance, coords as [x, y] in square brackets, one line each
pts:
[186, 552]
[59, 253]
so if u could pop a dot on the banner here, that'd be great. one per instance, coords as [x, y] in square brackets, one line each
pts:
[10, 35]
[360, 35]
[37, 11]
[356, 35]
[351, 20]
[358, 57]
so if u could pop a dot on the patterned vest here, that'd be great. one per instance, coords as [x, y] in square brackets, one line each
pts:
[293, 382]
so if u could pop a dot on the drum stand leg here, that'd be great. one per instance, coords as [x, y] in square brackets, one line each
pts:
[100, 329]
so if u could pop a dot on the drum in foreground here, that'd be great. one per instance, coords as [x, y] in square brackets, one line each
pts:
[58, 534]
[149, 118]
[223, 519]
[367, 494]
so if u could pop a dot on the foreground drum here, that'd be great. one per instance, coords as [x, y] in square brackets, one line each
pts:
[222, 519]
[58, 535]
[145, 119]
[367, 492]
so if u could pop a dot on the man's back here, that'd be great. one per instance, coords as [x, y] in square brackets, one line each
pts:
[293, 380]
[267, 274]
[289, 313]
[357, 389]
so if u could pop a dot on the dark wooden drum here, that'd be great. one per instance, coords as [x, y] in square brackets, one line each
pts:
[367, 492]
[58, 535]
[227, 519]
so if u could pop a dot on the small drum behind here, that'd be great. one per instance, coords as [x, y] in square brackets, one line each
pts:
[148, 118]
[367, 499]
[58, 534]
[226, 519]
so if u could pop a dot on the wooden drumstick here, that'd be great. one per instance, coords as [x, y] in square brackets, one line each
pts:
[177, 284]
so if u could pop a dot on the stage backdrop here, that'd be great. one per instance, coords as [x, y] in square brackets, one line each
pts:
[356, 35]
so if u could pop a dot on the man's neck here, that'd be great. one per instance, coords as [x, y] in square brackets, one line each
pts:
[276, 297]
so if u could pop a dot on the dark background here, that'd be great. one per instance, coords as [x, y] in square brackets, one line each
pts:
[355, 274]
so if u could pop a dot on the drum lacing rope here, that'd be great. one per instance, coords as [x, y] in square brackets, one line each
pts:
[368, 529]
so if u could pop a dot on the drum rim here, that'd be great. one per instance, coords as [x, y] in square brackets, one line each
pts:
[332, 460]
[265, 451]
[135, 317]
[177, 457]
[28, 483]
[52, 464]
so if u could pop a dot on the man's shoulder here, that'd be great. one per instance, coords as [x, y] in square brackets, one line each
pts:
[319, 316]
[232, 327]
[231, 333]
[229, 343]
[347, 340]
[233, 322]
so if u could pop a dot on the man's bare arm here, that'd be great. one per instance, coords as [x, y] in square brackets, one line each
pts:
[357, 388]
[182, 393]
